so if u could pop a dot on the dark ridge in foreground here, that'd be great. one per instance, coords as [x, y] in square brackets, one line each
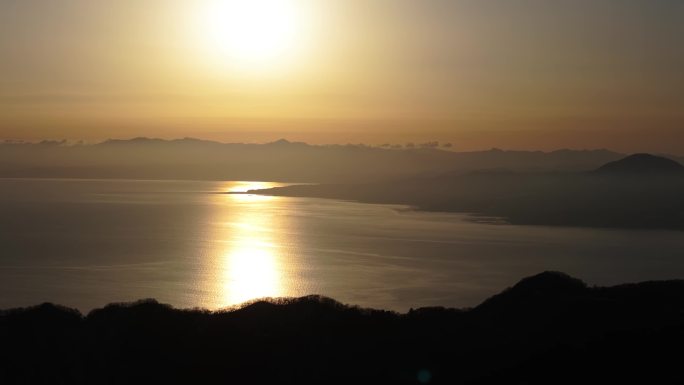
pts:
[549, 328]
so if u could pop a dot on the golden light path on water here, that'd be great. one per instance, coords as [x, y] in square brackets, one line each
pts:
[247, 261]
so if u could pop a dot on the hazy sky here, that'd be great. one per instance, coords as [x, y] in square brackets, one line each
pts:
[532, 74]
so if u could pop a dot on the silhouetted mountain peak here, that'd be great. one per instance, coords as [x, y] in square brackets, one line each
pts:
[284, 142]
[281, 141]
[642, 164]
[550, 281]
[538, 290]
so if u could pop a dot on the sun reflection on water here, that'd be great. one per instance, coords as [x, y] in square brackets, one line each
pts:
[252, 271]
[244, 186]
[248, 262]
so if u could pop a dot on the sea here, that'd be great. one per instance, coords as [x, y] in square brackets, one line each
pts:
[207, 244]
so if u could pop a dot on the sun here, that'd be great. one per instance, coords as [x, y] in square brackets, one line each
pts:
[252, 33]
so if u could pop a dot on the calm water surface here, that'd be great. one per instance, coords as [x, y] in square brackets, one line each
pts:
[85, 243]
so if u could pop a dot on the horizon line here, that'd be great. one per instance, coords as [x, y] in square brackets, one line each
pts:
[428, 145]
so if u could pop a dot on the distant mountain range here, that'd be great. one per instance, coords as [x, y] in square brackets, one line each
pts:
[147, 158]
[596, 188]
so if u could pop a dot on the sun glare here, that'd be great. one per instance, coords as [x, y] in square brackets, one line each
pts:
[252, 34]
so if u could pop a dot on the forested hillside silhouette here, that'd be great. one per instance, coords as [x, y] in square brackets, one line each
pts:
[549, 328]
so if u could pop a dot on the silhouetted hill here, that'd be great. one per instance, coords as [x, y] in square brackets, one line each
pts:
[642, 164]
[550, 328]
[529, 292]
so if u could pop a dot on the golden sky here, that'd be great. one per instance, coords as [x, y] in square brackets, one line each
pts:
[526, 74]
